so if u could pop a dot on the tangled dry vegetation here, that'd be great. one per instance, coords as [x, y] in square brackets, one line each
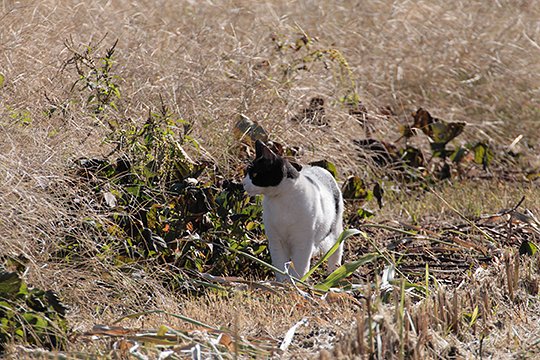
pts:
[125, 127]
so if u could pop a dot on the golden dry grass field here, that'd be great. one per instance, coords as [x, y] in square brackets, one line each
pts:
[107, 107]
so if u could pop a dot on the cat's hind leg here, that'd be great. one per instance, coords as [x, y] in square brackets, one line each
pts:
[334, 261]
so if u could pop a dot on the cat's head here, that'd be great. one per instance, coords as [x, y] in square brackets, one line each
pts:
[268, 170]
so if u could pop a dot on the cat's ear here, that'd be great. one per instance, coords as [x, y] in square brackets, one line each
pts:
[276, 148]
[259, 147]
[261, 150]
[292, 169]
[268, 154]
[296, 165]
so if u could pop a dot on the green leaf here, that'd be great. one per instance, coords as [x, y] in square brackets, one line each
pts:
[527, 248]
[162, 330]
[474, 316]
[342, 237]
[181, 317]
[251, 225]
[354, 188]
[364, 213]
[482, 154]
[345, 271]
[10, 283]
[134, 190]
[443, 132]
[458, 154]
[2, 79]
[35, 320]
[5, 306]
[427, 279]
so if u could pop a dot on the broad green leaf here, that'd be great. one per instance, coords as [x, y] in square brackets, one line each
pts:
[23, 290]
[134, 190]
[527, 248]
[152, 216]
[342, 237]
[162, 330]
[10, 283]
[345, 271]
[440, 132]
[2, 79]
[443, 132]
[251, 225]
[35, 320]
[5, 306]
[482, 154]
[364, 213]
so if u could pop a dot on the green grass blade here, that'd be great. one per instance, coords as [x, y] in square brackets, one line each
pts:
[342, 237]
[344, 271]
[427, 280]
[256, 259]
[264, 263]
[182, 317]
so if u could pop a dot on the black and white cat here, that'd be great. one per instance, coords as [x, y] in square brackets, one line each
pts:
[302, 209]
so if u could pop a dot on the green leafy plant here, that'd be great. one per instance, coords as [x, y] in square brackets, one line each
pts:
[96, 75]
[28, 314]
[20, 117]
[166, 206]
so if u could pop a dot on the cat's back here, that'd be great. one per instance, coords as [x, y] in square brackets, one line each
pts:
[305, 205]
[321, 177]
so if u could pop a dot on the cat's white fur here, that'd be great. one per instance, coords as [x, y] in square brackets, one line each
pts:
[301, 219]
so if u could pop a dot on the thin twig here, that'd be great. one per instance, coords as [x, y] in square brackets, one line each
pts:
[486, 235]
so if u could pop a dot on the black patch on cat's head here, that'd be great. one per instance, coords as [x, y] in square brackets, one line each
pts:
[268, 168]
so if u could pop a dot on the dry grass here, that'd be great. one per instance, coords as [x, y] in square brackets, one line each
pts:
[211, 61]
